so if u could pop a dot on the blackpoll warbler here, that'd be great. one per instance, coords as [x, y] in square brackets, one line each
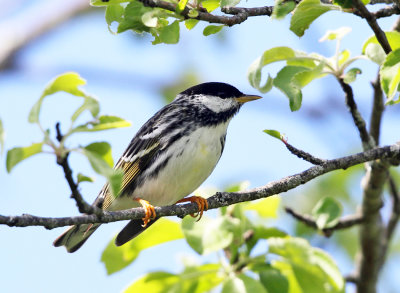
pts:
[169, 157]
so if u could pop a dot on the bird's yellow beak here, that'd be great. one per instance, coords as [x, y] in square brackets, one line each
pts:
[247, 98]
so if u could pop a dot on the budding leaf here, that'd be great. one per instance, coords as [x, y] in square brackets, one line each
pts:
[351, 75]
[84, 178]
[274, 133]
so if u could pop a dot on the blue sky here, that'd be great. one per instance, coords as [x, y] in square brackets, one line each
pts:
[124, 72]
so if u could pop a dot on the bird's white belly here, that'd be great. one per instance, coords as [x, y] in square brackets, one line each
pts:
[191, 163]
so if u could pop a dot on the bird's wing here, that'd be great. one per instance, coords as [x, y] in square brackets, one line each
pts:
[133, 161]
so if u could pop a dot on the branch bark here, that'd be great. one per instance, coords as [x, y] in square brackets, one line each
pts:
[220, 199]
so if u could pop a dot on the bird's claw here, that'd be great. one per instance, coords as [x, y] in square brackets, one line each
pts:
[202, 204]
[149, 210]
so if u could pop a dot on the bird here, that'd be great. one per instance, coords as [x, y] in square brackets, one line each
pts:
[170, 156]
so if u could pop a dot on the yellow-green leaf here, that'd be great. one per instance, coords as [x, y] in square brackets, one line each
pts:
[115, 258]
[18, 154]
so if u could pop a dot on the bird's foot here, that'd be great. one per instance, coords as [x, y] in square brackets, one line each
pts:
[149, 210]
[201, 203]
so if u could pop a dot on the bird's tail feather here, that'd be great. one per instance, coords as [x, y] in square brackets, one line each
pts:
[131, 230]
[75, 236]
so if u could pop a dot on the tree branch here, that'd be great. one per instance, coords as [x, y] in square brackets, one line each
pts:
[371, 230]
[220, 199]
[33, 22]
[239, 14]
[366, 139]
[344, 223]
[377, 111]
[371, 19]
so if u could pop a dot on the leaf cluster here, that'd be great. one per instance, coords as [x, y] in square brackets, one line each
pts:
[233, 237]
[97, 153]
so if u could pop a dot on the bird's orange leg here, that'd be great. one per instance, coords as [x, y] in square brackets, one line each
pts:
[149, 210]
[201, 203]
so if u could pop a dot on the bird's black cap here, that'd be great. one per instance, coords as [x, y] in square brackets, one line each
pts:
[218, 89]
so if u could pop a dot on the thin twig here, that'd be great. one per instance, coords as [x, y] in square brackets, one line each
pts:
[303, 155]
[218, 200]
[82, 205]
[371, 19]
[359, 121]
[344, 223]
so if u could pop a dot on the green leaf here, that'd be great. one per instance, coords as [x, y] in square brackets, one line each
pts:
[209, 235]
[103, 122]
[84, 178]
[274, 281]
[266, 208]
[181, 5]
[212, 29]
[191, 23]
[116, 258]
[114, 12]
[390, 74]
[254, 77]
[210, 5]
[301, 263]
[295, 58]
[194, 279]
[282, 8]
[103, 149]
[90, 104]
[99, 156]
[18, 154]
[393, 38]
[67, 82]
[229, 3]
[262, 232]
[303, 78]
[327, 212]
[283, 81]
[337, 34]
[242, 284]
[170, 34]
[155, 282]
[305, 13]
[107, 2]
[351, 75]
[133, 18]
[2, 136]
